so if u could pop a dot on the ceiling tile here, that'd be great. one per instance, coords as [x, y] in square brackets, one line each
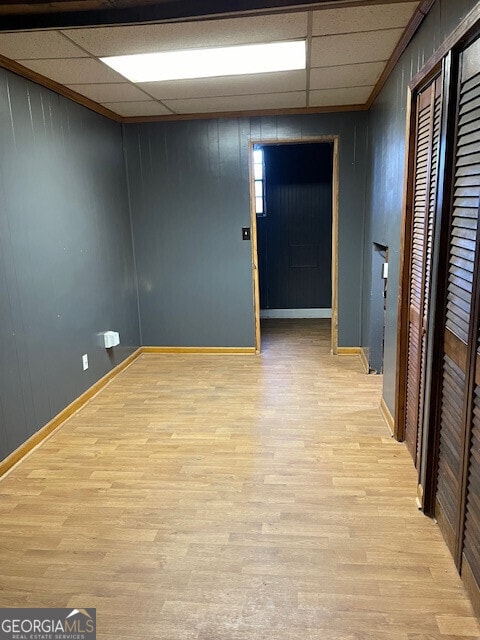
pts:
[329, 51]
[144, 108]
[74, 70]
[350, 75]
[227, 85]
[110, 41]
[329, 97]
[111, 92]
[38, 44]
[351, 19]
[239, 103]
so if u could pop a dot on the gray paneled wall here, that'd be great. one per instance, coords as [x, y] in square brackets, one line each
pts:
[189, 194]
[66, 266]
[386, 169]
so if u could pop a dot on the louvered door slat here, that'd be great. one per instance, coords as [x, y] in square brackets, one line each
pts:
[449, 453]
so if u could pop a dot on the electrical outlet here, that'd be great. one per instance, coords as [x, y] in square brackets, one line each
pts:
[85, 361]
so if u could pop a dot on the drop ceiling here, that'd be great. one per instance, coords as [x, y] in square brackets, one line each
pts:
[348, 50]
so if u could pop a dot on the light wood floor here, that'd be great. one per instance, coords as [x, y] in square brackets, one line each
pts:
[232, 498]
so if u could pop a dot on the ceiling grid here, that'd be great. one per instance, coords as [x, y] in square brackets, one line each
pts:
[348, 49]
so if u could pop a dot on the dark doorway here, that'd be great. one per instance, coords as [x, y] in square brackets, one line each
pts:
[294, 229]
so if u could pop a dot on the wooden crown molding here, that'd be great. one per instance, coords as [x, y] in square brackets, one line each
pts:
[245, 114]
[48, 83]
[412, 28]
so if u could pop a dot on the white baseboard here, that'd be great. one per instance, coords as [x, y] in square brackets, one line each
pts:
[295, 313]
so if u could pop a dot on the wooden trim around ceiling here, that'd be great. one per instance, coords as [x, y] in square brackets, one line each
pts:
[244, 114]
[48, 83]
[412, 28]
[462, 31]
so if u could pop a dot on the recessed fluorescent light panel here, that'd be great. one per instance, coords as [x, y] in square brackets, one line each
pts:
[207, 63]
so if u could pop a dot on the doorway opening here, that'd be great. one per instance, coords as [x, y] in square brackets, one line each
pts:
[294, 200]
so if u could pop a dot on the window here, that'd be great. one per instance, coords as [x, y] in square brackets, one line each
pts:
[259, 176]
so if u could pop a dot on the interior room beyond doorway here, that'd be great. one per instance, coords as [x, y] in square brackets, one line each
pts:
[293, 206]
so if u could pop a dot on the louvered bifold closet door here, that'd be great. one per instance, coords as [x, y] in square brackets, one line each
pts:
[460, 309]
[470, 138]
[471, 544]
[429, 108]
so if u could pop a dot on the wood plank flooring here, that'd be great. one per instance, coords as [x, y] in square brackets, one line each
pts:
[212, 497]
